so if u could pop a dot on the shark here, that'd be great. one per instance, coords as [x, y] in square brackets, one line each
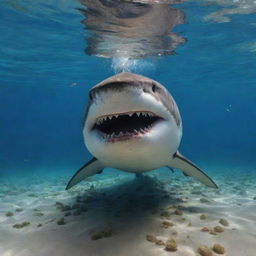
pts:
[133, 124]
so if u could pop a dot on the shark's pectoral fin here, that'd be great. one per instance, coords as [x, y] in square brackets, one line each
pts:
[190, 169]
[92, 167]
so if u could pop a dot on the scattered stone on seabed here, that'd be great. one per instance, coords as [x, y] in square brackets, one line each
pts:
[189, 224]
[61, 221]
[39, 214]
[218, 229]
[166, 224]
[224, 222]
[205, 229]
[184, 200]
[159, 242]
[204, 251]
[19, 210]
[174, 233]
[204, 200]
[49, 221]
[62, 207]
[151, 238]
[9, 214]
[101, 234]
[39, 225]
[178, 212]
[165, 214]
[171, 246]
[203, 216]
[218, 249]
[67, 214]
[21, 225]
[212, 232]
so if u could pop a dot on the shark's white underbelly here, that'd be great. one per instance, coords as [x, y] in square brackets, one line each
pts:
[141, 154]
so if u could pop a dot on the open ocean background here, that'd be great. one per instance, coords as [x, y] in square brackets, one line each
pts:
[50, 57]
[45, 78]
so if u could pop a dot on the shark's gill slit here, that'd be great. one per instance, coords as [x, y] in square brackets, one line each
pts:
[126, 124]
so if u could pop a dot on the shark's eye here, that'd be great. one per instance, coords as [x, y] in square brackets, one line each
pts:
[154, 88]
[90, 96]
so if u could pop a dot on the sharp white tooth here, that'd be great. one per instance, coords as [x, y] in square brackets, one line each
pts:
[130, 114]
[138, 113]
[110, 117]
[116, 116]
[121, 134]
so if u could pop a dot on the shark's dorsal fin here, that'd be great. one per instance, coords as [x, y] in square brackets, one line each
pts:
[190, 169]
[92, 167]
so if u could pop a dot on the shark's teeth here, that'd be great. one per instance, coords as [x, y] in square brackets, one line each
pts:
[108, 118]
[104, 118]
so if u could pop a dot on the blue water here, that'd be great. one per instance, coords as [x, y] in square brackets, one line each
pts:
[45, 77]
[51, 55]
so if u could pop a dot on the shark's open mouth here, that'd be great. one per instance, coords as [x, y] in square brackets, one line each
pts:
[125, 125]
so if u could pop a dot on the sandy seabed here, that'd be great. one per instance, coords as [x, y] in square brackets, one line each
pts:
[120, 215]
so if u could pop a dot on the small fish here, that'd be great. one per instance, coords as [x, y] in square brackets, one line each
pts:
[132, 123]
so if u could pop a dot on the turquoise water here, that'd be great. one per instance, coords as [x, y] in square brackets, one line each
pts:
[51, 54]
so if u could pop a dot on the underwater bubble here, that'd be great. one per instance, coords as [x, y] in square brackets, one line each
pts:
[121, 64]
